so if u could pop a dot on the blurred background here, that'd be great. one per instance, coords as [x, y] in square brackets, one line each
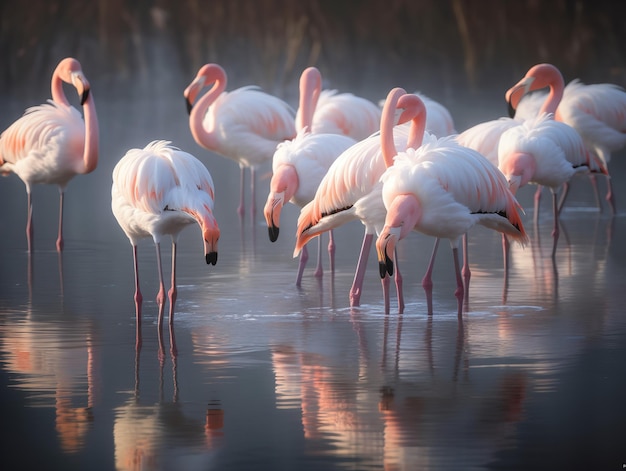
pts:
[444, 47]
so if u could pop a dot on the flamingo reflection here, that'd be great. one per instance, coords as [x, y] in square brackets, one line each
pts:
[154, 436]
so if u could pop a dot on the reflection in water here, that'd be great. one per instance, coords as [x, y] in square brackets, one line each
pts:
[160, 436]
[54, 363]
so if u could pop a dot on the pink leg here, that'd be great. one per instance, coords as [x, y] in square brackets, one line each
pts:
[506, 247]
[459, 292]
[29, 222]
[304, 257]
[138, 295]
[60, 235]
[555, 230]
[398, 281]
[160, 299]
[564, 194]
[331, 250]
[467, 273]
[253, 192]
[319, 270]
[610, 196]
[241, 209]
[359, 275]
[537, 201]
[385, 284]
[173, 292]
[427, 281]
[594, 185]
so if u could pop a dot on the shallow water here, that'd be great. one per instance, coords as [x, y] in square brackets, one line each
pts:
[258, 374]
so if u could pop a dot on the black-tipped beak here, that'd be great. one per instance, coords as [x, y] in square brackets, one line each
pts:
[189, 106]
[84, 96]
[511, 109]
[273, 232]
[211, 258]
[386, 267]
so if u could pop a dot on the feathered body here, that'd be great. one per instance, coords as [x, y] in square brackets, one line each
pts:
[159, 190]
[51, 143]
[596, 111]
[556, 148]
[485, 137]
[456, 187]
[331, 112]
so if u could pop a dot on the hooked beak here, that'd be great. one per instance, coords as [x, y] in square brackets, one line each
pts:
[385, 247]
[516, 93]
[211, 258]
[189, 105]
[272, 210]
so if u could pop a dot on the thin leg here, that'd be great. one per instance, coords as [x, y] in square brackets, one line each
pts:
[398, 280]
[537, 201]
[160, 299]
[506, 248]
[610, 196]
[138, 301]
[304, 257]
[241, 209]
[555, 230]
[564, 193]
[29, 222]
[252, 193]
[319, 270]
[594, 185]
[385, 284]
[173, 292]
[459, 292]
[359, 274]
[331, 250]
[467, 273]
[427, 281]
[60, 235]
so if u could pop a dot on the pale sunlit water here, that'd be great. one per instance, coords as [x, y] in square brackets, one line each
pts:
[258, 374]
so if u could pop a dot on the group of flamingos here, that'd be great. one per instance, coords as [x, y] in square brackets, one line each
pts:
[339, 157]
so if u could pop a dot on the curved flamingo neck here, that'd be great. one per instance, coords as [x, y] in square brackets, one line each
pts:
[555, 95]
[413, 109]
[90, 152]
[310, 89]
[56, 87]
[217, 76]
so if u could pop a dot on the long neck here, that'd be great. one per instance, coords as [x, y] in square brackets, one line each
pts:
[205, 137]
[56, 87]
[414, 110]
[387, 122]
[555, 94]
[310, 89]
[90, 152]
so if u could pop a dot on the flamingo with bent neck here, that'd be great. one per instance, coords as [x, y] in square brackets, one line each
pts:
[351, 188]
[244, 125]
[51, 143]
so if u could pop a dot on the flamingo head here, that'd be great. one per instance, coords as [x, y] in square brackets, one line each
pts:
[210, 235]
[538, 77]
[519, 169]
[403, 214]
[70, 71]
[208, 74]
[283, 186]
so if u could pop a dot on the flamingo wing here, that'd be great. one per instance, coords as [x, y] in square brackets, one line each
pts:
[347, 114]
[484, 137]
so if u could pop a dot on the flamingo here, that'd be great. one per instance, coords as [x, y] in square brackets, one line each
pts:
[298, 167]
[159, 190]
[542, 150]
[51, 143]
[596, 111]
[329, 112]
[443, 189]
[327, 123]
[244, 125]
[349, 190]
[439, 121]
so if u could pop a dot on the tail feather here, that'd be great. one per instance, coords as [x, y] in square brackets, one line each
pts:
[311, 224]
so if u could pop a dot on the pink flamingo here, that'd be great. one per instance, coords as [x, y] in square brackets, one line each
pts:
[298, 167]
[329, 112]
[244, 125]
[51, 143]
[541, 150]
[159, 190]
[327, 123]
[439, 121]
[351, 189]
[443, 189]
[596, 111]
